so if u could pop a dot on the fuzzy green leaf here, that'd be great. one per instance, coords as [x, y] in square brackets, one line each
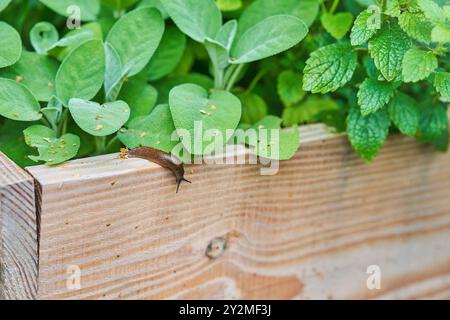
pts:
[136, 37]
[88, 9]
[442, 85]
[267, 38]
[154, 130]
[337, 24]
[219, 112]
[167, 56]
[4, 4]
[308, 111]
[404, 114]
[140, 97]
[36, 72]
[52, 150]
[10, 45]
[433, 121]
[79, 77]
[441, 34]
[199, 19]
[373, 95]
[289, 86]
[418, 65]
[392, 8]
[43, 36]
[229, 5]
[387, 49]
[432, 10]
[17, 102]
[99, 120]
[416, 26]
[254, 108]
[12, 142]
[367, 134]
[329, 68]
[363, 29]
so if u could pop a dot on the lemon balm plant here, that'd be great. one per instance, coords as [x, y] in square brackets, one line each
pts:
[52, 90]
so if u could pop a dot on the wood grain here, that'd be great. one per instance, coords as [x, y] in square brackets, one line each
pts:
[311, 231]
[18, 233]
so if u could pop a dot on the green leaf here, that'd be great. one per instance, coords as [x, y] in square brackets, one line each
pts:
[229, 5]
[329, 68]
[118, 5]
[432, 10]
[99, 120]
[36, 72]
[154, 130]
[308, 111]
[154, 4]
[387, 49]
[218, 112]
[337, 24]
[433, 121]
[140, 97]
[441, 34]
[115, 73]
[442, 85]
[227, 34]
[363, 28]
[416, 26]
[17, 102]
[4, 4]
[272, 142]
[289, 86]
[267, 38]
[254, 108]
[217, 53]
[367, 134]
[167, 56]
[43, 36]
[51, 150]
[393, 8]
[12, 142]
[165, 85]
[88, 9]
[53, 111]
[79, 76]
[199, 19]
[404, 114]
[10, 45]
[418, 65]
[306, 10]
[136, 37]
[373, 95]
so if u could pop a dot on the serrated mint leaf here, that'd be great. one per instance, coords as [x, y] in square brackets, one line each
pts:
[52, 150]
[433, 121]
[387, 49]
[373, 95]
[432, 10]
[367, 134]
[392, 8]
[10, 45]
[17, 102]
[442, 85]
[192, 105]
[418, 65]
[154, 130]
[337, 24]
[136, 37]
[88, 9]
[36, 72]
[289, 87]
[416, 26]
[43, 36]
[329, 68]
[364, 28]
[99, 120]
[441, 34]
[79, 77]
[269, 37]
[199, 19]
[254, 108]
[404, 114]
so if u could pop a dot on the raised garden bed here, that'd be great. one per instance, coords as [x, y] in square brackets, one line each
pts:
[311, 231]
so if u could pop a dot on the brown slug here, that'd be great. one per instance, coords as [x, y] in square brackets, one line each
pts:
[162, 158]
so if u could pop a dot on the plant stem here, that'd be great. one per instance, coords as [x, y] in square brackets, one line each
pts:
[111, 142]
[334, 6]
[100, 143]
[218, 78]
[234, 77]
[255, 81]
[62, 128]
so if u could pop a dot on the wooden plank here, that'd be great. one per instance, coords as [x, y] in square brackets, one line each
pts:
[18, 233]
[311, 231]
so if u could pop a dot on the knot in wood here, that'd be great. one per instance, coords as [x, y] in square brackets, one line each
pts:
[216, 248]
